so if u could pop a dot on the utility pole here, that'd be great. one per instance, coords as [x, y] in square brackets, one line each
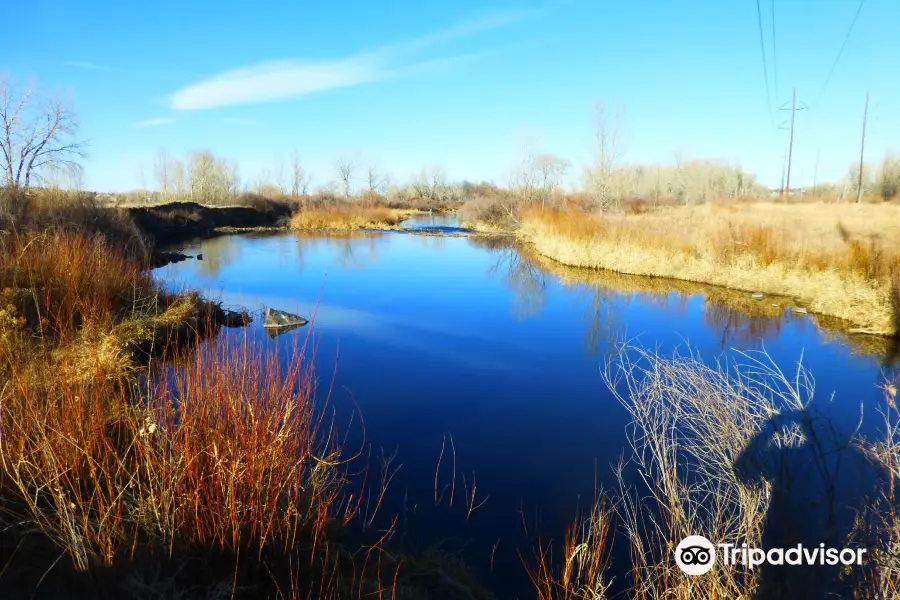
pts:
[783, 164]
[816, 172]
[862, 148]
[790, 157]
[791, 144]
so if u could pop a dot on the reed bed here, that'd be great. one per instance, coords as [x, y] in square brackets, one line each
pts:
[838, 260]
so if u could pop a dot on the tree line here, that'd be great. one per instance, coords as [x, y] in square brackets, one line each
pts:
[40, 145]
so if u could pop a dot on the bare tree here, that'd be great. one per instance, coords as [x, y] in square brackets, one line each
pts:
[375, 180]
[300, 178]
[142, 175]
[211, 179]
[162, 168]
[179, 184]
[60, 177]
[549, 171]
[346, 167]
[523, 179]
[36, 133]
[609, 153]
[278, 178]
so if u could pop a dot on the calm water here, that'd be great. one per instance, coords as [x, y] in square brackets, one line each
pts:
[434, 335]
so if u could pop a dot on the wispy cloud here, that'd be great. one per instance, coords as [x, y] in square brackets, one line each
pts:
[80, 64]
[280, 80]
[154, 122]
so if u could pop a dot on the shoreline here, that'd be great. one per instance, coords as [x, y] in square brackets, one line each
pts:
[866, 305]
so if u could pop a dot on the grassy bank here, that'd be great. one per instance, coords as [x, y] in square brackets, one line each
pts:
[837, 260]
[350, 217]
[117, 472]
[137, 462]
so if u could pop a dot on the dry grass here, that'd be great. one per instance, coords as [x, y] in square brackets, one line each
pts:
[221, 459]
[81, 304]
[65, 282]
[228, 454]
[37, 210]
[838, 260]
[580, 572]
[348, 217]
[697, 447]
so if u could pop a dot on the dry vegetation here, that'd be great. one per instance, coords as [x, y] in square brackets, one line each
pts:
[839, 260]
[120, 478]
[726, 451]
[722, 490]
[347, 217]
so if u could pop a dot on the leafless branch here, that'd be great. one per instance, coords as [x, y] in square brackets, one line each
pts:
[37, 132]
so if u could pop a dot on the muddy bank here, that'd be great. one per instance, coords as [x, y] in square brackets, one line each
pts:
[179, 221]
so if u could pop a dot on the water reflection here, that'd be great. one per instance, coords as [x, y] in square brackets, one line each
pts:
[739, 321]
[734, 318]
[219, 253]
[523, 277]
[353, 250]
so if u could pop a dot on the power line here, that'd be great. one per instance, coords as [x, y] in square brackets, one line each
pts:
[841, 51]
[762, 46]
[774, 53]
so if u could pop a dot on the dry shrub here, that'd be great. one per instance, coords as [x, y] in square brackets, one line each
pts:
[635, 206]
[498, 210]
[885, 581]
[265, 204]
[40, 209]
[64, 280]
[227, 452]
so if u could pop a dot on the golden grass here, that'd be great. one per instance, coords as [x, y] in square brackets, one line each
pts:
[484, 227]
[347, 217]
[837, 260]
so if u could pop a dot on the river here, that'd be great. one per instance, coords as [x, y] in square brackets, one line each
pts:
[472, 337]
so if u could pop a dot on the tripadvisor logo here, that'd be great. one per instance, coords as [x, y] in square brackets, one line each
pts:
[696, 555]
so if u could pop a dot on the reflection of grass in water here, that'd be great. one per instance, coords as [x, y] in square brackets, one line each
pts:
[741, 319]
[354, 250]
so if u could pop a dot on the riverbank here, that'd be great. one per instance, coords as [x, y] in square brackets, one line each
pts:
[345, 217]
[841, 261]
[178, 221]
[129, 451]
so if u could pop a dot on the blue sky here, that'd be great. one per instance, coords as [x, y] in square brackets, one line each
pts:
[460, 85]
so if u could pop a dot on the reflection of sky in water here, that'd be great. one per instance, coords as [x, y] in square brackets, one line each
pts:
[447, 334]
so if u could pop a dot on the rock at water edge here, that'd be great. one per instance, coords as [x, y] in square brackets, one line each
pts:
[275, 319]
